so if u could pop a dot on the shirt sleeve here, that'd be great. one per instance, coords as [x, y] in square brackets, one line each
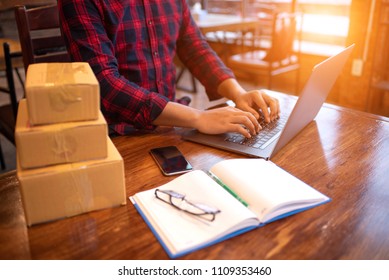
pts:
[121, 100]
[196, 54]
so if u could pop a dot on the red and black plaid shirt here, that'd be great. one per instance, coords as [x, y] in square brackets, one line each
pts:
[130, 45]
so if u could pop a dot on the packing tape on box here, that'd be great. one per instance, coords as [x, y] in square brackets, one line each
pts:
[82, 198]
[59, 191]
[85, 192]
[64, 95]
[63, 144]
[75, 193]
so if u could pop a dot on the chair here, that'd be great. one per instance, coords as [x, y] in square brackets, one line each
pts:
[40, 35]
[40, 41]
[10, 60]
[272, 53]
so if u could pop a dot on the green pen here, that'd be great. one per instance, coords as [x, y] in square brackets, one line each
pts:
[220, 182]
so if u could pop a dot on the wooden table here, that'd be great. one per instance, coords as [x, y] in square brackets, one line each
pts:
[343, 154]
[216, 22]
[223, 32]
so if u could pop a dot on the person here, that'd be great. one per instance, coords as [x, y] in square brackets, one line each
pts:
[131, 46]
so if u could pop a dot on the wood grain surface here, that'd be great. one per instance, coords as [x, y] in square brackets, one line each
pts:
[343, 154]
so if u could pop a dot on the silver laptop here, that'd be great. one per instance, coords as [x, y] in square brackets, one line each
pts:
[271, 139]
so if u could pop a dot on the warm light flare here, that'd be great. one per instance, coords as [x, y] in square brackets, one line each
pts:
[326, 25]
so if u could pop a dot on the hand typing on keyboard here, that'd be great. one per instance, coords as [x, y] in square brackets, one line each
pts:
[256, 102]
[267, 135]
[227, 119]
[242, 119]
[251, 101]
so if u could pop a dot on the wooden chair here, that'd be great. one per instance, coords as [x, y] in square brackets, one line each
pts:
[10, 61]
[40, 35]
[40, 41]
[272, 53]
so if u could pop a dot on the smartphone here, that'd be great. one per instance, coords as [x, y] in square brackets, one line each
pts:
[170, 160]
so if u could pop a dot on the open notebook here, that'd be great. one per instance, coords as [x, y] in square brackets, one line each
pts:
[247, 193]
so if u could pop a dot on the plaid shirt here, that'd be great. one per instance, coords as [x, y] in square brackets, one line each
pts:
[130, 45]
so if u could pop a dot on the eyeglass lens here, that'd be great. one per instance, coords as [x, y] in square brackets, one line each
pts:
[179, 201]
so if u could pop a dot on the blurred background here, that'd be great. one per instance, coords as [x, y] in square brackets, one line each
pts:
[322, 29]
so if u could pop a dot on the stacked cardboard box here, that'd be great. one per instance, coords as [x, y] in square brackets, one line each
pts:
[67, 165]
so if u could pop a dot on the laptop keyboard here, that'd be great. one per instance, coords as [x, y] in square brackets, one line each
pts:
[269, 132]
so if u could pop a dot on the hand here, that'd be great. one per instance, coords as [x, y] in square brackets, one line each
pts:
[255, 100]
[227, 119]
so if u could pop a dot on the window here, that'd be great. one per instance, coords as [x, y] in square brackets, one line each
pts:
[325, 22]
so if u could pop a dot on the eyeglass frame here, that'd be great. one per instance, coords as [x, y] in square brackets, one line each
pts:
[182, 197]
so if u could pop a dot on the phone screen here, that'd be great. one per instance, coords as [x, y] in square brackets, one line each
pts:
[170, 160]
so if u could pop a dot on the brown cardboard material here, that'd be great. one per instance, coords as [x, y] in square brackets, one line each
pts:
[61, 191]
[61, 92]
[68, 142]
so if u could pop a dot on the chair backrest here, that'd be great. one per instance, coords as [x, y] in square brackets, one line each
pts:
[8, 56]
[265, 13]
[285, 31]
[40, 35]
[8, 112]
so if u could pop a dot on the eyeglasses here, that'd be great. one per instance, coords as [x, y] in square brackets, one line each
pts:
[179, 201]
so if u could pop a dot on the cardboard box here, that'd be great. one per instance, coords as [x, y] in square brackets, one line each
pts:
[62, 92]
[44, 145]
[66, 190]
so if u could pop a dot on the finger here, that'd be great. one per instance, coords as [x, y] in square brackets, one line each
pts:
[261, 103]
[250, 122]
[274, 106]
[253, 111]
[254, 120]
[239, 129]
[249, 113]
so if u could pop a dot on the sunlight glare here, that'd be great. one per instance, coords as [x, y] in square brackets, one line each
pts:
[326, 24]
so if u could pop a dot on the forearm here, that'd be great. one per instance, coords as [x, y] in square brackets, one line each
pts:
[175, 114]
[221, 120]
[230, 89]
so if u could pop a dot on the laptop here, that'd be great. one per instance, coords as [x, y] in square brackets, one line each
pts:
[271, 139]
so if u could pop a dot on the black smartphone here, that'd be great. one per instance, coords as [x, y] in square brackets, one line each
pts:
[170, 160]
